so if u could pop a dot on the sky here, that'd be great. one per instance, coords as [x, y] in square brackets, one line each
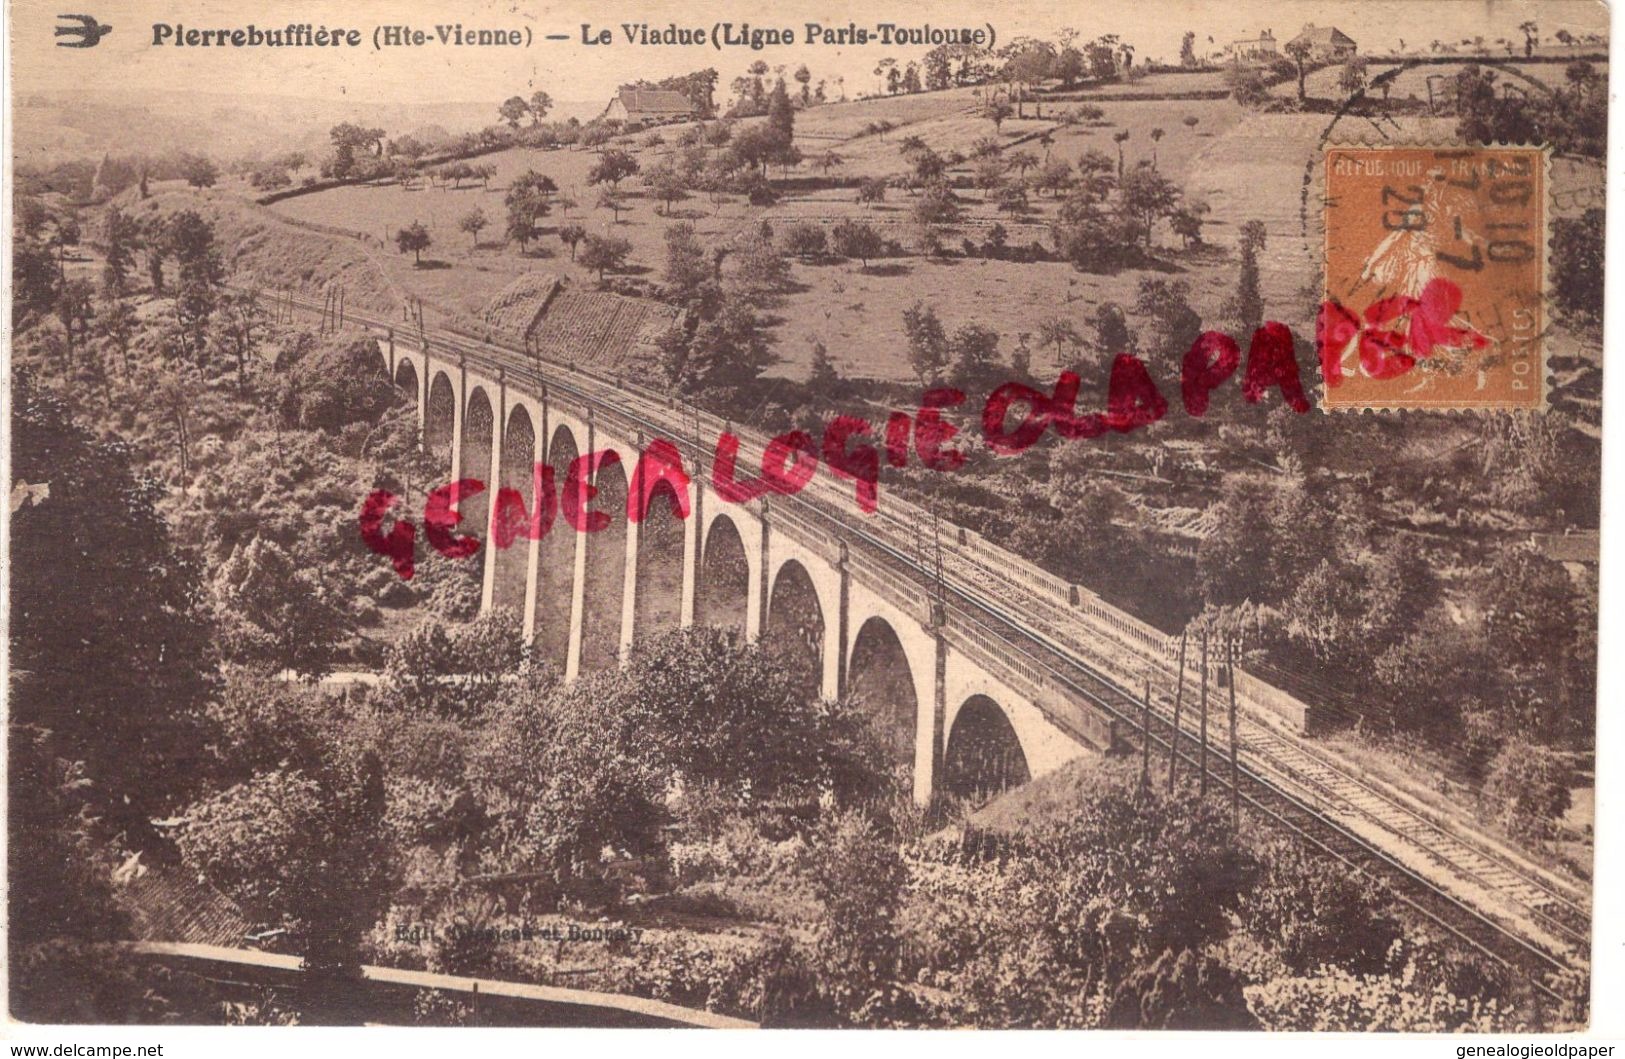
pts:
[125, 61]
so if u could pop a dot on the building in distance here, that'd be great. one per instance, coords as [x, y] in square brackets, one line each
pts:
[1326, 44]
[1260, 49]
[649, 106]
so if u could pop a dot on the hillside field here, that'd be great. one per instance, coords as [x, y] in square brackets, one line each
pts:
[1241, 165]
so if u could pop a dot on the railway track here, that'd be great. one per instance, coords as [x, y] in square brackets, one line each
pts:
[1528, 924]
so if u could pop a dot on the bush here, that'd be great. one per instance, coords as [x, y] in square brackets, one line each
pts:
[304, 850]
[1338, 1001]
[1190, 991]
[1313, 911]
[1528, 789]
[858, 877]
[336, 384]
[1577, 259]
[805, 239]
[455, 671]
[872, 189]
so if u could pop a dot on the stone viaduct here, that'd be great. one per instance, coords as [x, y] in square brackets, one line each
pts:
[803, 574]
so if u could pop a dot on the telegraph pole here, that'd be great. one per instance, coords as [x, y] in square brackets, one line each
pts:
[1179, 699]
[1235, 771]
[1202, 788]
[1145, 736]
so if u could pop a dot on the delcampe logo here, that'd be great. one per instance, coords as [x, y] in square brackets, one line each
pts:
[88, 30]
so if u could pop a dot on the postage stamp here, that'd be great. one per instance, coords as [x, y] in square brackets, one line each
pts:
[1435, 277]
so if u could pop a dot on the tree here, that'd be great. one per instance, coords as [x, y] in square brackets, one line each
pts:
[199, 171]
[1021, 161]
[34, 280]
[611, 168]
[415, 238]
[119, 233]
[667, 184]
[872, 189]
[1352, 79]
[604, 253]
[1120, 138]
[1300, 50]
[856, 239]
[927, 166]
[1187, 224]
[822, 376]
[828, 160]
[116, 321]
[1011, 198]
[513, 110]
[1054, 176]
[473, 222]
[191, 239]
[1069, 66]
[571, 235]
[1058, 331]
[728, 350]
[540, 104]
[997, 112]
[858, 879]
[240, 320]
[1148, 196]
[1531, 36]
[608, 199]
[1187, 49]
[560, 816]
[760, 271]
[274, 613]
[975, 352]
[937, 205]
[804, 79]
[74, 308]
[1582, 78]
[155, 245]
[528, 200]
[1247, 309]
[1174, 324]
[118, 669]
[927, 342]
[781, 116]
[305, 850]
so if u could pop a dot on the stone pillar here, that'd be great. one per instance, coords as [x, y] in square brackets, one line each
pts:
[578, 583]
[929, 737]
[533, 554]
[693, 555]
[629, 574]
[423, 401]
[457, 420]
[843, 619]
[757, 597]
[493, 481]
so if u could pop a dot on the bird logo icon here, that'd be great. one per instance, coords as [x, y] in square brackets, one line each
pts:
[88, 30]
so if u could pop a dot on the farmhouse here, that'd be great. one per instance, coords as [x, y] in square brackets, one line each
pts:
[1259, 49]
[648, 106]
[1326, 43]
